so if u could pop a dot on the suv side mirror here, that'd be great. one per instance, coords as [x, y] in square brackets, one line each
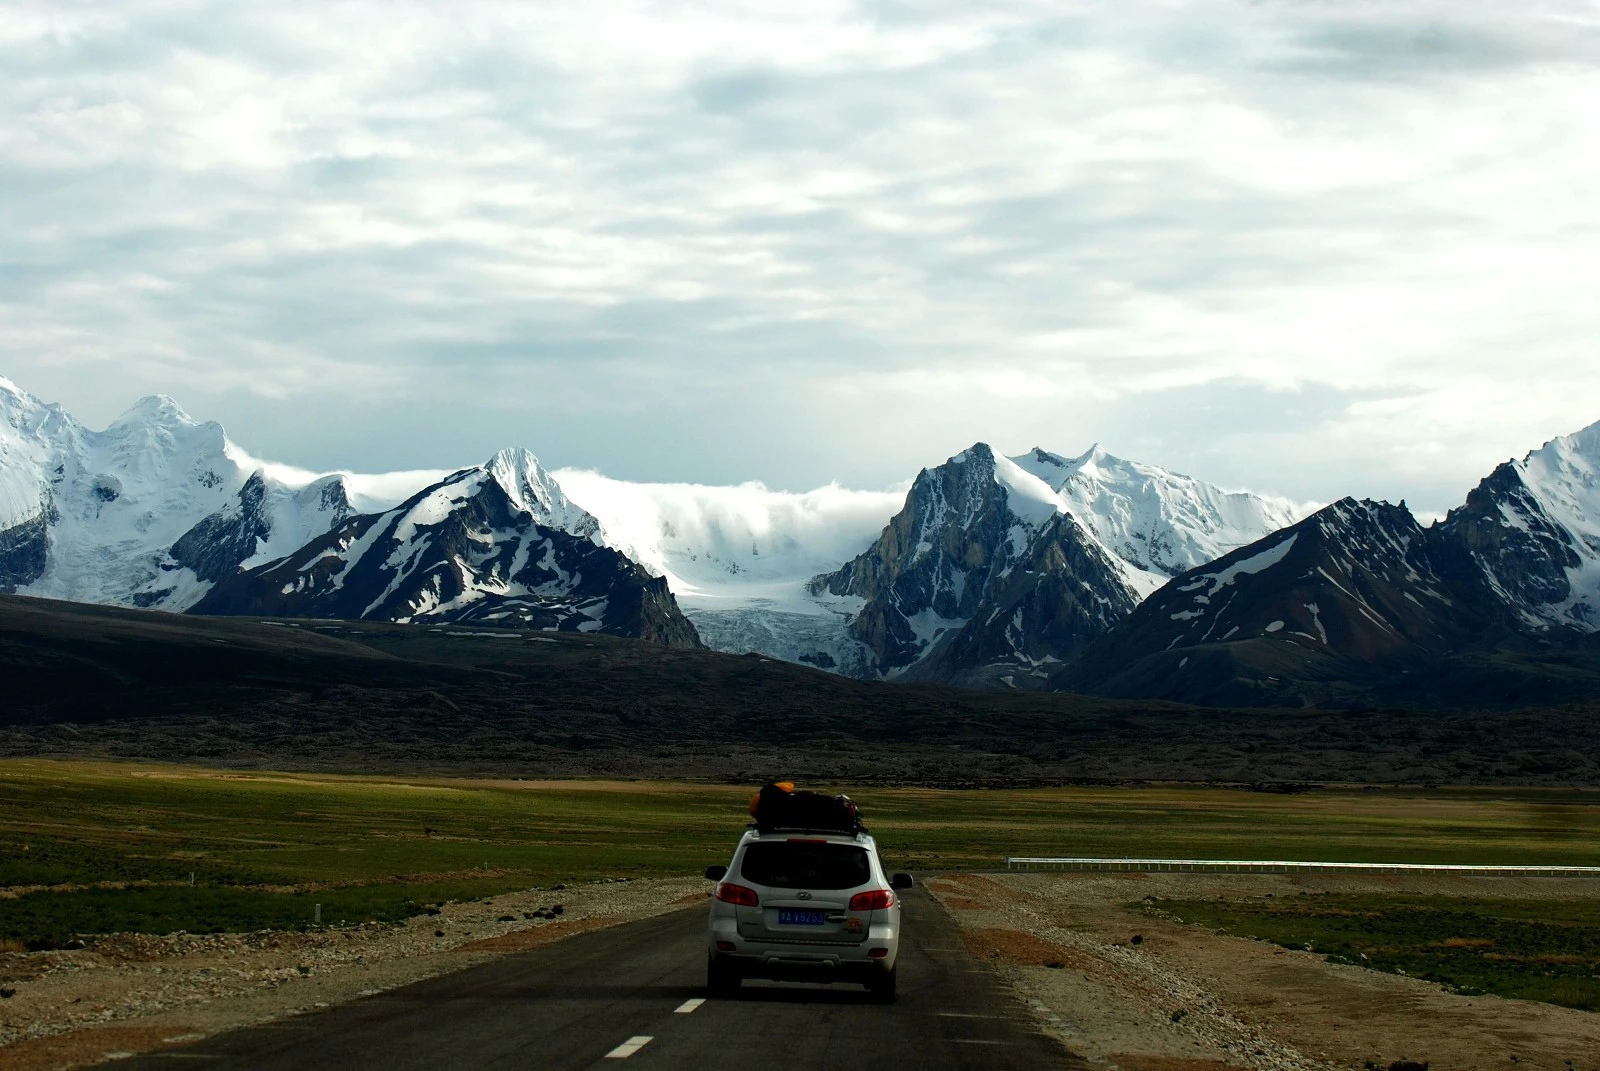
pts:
[901, 881]
[716, 873]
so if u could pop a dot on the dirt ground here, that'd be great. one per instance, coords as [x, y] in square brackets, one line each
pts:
[1184, 999]
[132, 993]
[1180, 999]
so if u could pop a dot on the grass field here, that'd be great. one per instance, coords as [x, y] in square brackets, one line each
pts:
[256, 843]
[1533, 949]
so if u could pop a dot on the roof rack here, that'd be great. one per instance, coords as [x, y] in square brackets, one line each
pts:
[832, 831]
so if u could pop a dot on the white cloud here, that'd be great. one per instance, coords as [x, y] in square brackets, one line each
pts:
[1318, 249]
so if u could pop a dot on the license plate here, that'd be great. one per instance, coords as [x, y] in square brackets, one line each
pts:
[789, 916]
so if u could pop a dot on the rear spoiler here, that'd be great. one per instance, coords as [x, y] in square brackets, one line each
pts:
[857, 832]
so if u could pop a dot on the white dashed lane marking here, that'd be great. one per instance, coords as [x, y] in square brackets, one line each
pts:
[629, 1047]
[689, 1005]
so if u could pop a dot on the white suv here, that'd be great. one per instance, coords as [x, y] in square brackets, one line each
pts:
[804, 905]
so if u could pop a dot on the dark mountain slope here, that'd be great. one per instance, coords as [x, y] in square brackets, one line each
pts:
[1060, 594]
[93, 681]
[1354, 605]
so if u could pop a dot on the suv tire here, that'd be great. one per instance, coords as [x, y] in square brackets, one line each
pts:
[883, 987]
[722, 977]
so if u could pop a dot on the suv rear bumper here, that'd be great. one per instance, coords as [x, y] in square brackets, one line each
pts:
[791, 966]
[761, 958]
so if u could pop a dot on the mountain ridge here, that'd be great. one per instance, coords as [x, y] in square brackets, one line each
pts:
[1360, 601]
[1036, 571]
[495, 544]
[992, 572]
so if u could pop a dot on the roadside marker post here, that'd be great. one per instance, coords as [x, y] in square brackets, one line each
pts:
[316, 917]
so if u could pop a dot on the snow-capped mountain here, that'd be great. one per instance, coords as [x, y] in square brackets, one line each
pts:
[741, 560]
[1161, 523]
[532, 490]
[266, 520]
[998, 569]
[150, 511]
[1360, 595]
[90, 515]
[497, 544]
[1354, 586]
[87, 515]
[159, 509]
[1531, 532]
[983, 571]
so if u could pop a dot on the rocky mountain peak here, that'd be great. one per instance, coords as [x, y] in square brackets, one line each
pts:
[13, 399]
[979, 453]
[1095, 456]
[965, 529]
[1530, 533]
[154, 409]
[531, 489]
[1584, 444]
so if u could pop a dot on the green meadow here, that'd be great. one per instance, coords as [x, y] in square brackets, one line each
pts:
[258, 844]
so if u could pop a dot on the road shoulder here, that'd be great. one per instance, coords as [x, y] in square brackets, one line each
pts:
[131, 994]
[1136, 992]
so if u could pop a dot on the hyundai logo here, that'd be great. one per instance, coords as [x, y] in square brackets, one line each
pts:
[802, 896]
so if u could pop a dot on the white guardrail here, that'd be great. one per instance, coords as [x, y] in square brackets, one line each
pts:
[1283, 866]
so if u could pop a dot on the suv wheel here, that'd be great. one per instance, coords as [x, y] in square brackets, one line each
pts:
[722, 977]
[882, 987]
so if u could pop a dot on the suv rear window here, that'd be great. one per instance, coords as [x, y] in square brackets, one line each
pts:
[791, 864]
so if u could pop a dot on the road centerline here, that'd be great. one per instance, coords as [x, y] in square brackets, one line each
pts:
[689, 1005]
[629, 1047]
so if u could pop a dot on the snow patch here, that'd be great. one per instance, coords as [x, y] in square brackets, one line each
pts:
[1256, 563]
[1316, 619]
[1029, 498]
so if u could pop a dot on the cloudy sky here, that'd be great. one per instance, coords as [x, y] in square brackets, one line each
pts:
[1308, 247]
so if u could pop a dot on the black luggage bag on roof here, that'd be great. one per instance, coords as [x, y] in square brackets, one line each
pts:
[779, 808]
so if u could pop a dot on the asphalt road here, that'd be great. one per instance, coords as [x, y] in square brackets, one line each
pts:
[626, 997]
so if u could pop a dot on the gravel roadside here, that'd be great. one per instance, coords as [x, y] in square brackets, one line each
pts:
[1133, 991]
[134, 993]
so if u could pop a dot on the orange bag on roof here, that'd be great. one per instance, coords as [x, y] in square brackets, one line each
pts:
[755, 801]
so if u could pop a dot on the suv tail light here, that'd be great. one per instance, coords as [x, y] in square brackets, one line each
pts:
[729, 893]
[872, 900]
